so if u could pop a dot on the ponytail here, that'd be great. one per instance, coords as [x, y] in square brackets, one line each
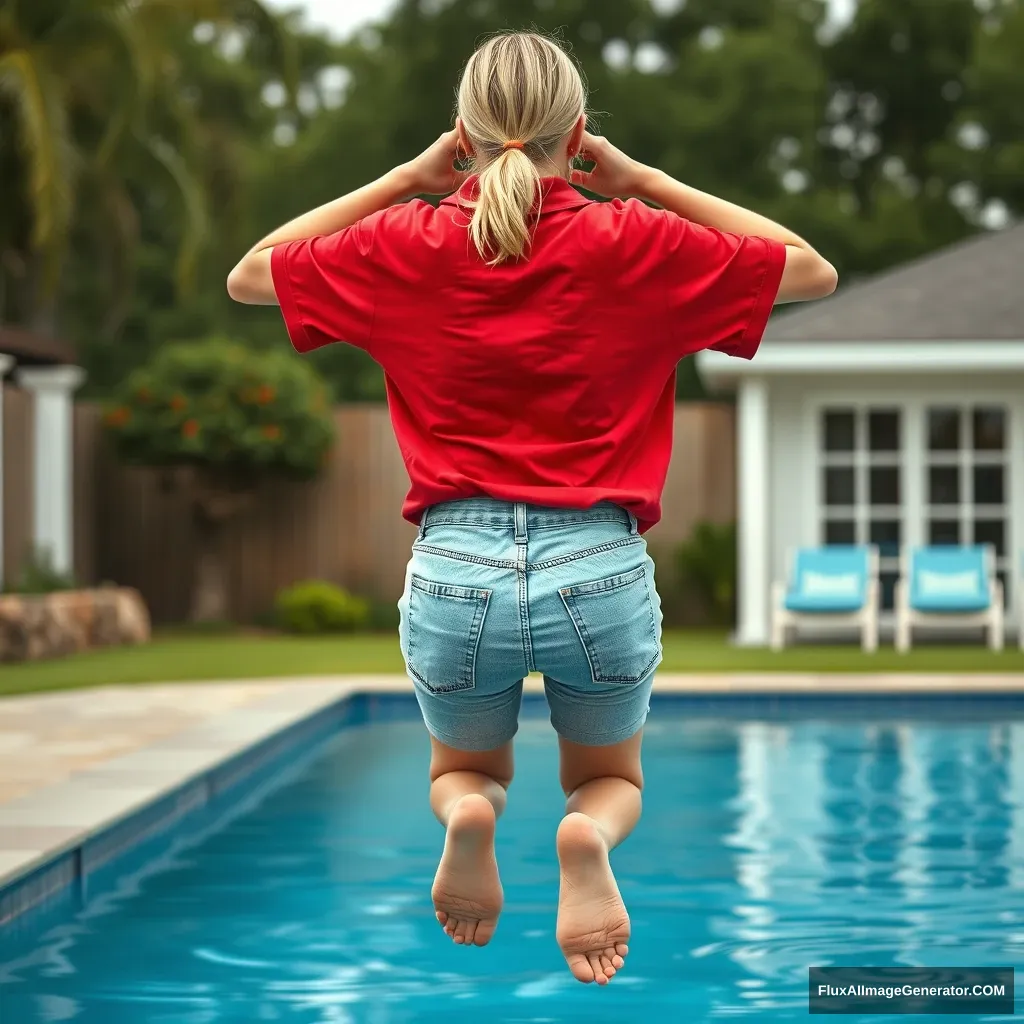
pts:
[509, 193]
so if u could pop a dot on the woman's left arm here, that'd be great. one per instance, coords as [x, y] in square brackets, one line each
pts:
[251, 282]
[432, 172]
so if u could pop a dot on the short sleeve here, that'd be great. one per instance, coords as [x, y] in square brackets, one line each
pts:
[327, 286]
[722, 287]
[712, 289]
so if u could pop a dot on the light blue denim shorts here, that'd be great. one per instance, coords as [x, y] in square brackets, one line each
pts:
[496, 590]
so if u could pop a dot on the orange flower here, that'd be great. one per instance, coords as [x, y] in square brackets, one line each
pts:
[190, 428]
[272, 432]
[118, 417]
[265, 395]
[178, 402]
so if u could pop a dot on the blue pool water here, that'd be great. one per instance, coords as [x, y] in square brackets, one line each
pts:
[766, 847]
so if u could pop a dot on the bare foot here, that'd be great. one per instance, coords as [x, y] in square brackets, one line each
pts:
[467, 893]
[593, 926]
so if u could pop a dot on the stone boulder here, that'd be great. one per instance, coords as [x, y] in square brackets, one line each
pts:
[33, 627]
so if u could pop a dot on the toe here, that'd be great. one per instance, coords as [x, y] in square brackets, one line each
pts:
[594, 959]
[606, 965]
[460, 932]
[471, 930]
[442, 918]
[580, 967]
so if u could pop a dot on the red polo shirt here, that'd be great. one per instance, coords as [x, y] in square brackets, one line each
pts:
[550, 379]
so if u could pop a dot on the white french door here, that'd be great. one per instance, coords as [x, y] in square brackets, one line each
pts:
[937, 469]
[860, 483]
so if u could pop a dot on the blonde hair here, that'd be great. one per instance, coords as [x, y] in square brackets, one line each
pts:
[520, 94]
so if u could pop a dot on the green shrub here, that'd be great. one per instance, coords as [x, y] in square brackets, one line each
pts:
[38, 576]
[707, 566]
[315, 606]
[384, 616]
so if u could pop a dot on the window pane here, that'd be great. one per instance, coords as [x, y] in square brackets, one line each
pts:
[1006, 587]
[989, 430]
[991, 531]
[884, 431]
[885, 533]
[944, 485]
[840, 531]
[944, 531]
[887, 581]
[943, 430]
[840, 486]
[885, 486]
[840, 431]
[988, 485]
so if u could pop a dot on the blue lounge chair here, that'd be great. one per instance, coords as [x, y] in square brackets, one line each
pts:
[949, 586]
[836, 586]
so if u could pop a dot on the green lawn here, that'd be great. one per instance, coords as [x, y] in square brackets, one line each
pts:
[183, 657]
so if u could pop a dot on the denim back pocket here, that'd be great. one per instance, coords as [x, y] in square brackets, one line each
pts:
[443, 633]
[615, 620]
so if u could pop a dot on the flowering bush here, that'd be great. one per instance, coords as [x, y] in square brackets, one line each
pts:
[220, 405]
[231, 415]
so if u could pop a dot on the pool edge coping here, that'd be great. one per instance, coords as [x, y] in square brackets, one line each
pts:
[243, 731]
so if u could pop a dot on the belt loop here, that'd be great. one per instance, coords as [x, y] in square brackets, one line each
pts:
[633, 527]
[520, 522]
[423, 525]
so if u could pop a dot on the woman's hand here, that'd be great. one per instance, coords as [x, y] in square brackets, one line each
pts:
[433, 172]
[615, 174]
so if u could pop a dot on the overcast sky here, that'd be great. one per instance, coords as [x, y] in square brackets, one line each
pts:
[341, 16]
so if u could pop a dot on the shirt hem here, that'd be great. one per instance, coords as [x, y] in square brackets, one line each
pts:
[764, 304]
[297, 333]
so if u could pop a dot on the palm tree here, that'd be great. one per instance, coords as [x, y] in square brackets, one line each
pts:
[86, 88]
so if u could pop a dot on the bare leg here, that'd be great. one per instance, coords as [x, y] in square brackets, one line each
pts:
[603, 788]
[467, 793]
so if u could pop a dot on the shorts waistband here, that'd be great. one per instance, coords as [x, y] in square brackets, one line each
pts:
[510, 514]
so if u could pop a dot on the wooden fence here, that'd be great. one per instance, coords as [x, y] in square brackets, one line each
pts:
[132, 528]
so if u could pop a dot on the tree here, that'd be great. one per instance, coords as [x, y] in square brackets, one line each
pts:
[229, 416]
[90, 92]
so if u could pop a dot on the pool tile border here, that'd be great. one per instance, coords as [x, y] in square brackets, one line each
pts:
[131, 802]
[106, 814]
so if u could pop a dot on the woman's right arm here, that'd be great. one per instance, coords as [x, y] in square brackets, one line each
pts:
[808, 275]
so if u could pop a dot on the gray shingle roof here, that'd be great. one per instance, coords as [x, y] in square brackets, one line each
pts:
[972, 291]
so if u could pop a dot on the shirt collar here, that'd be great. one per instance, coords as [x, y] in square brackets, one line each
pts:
[558, 195]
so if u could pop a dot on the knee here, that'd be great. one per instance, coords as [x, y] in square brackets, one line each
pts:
[496, 765]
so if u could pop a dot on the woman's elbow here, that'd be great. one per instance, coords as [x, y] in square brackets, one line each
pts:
[807, 276]
[828, 279]
[236, 283]
[251, 281]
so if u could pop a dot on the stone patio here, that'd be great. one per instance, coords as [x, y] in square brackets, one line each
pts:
[73, 762]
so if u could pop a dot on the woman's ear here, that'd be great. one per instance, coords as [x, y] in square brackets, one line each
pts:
[465, 146]
[576, 137]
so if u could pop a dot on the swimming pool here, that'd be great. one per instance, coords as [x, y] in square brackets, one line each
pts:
[772, 840]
